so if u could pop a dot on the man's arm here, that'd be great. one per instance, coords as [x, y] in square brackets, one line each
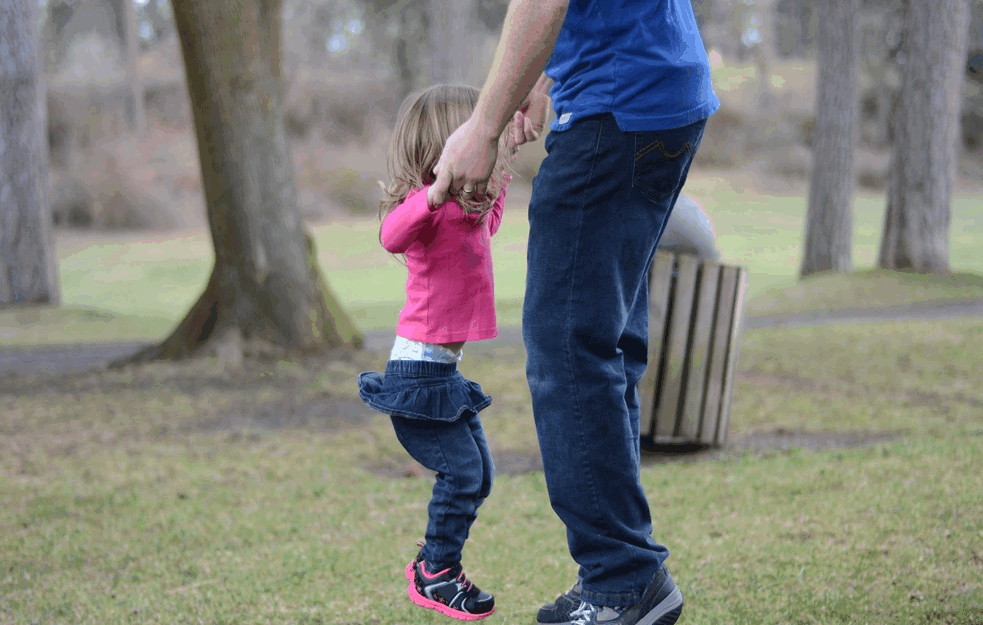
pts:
[528, 36]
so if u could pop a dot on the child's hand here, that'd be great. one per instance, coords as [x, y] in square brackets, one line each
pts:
[529, 121]
[524, 129]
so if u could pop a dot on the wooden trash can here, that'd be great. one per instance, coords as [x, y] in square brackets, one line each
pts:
[695, 322]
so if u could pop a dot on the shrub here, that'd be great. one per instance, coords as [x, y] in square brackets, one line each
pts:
[104, 194]
[355, 192]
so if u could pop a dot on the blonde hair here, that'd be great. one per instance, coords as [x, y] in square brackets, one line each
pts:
[424, 122]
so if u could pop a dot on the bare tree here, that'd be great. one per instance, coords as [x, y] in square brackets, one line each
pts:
[926, 139]
[409, 51]
[764, 51]
[159, 22]
[452, 27]
[27, 261]
[881, 35]
[829, 222]
[136, 114]
[265, 290]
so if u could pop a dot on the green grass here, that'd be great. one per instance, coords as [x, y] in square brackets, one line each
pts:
[185, 493]
[868, 289]
[188, 493]
[145, 284]
[764, 232]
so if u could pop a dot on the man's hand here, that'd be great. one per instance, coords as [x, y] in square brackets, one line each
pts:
[465, 165]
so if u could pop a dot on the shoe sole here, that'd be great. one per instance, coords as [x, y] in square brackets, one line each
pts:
[430, 604]
[667, 612]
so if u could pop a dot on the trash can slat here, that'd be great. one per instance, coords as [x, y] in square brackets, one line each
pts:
[660, 280]
[699, 348]
[674, 356]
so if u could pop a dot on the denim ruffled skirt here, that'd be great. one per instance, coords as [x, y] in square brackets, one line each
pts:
[422, 390]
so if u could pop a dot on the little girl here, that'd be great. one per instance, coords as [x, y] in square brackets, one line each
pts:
[449, 301]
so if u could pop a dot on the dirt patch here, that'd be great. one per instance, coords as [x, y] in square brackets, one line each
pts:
[783, 439]
[320, 414]
[514, 462]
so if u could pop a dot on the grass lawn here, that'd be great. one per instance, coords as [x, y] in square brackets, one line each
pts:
[192, 494]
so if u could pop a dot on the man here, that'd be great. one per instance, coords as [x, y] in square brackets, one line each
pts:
[631, 95]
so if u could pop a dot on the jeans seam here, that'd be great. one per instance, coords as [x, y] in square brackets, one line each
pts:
[595, 510]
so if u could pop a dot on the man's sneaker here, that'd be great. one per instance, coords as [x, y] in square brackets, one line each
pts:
[661, 604]
[560, 612]
[447, 591]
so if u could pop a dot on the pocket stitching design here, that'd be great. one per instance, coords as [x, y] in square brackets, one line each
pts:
[662, 148]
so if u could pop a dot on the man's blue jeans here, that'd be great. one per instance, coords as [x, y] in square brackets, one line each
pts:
[599, 205]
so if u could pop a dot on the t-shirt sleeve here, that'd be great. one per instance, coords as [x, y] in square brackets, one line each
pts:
[403, 226]
[495, 217]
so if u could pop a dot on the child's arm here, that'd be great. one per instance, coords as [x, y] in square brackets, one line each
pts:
[495, 216]
[403, 225]
[530, 120]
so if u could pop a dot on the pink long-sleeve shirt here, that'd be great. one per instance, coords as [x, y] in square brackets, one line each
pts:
[450, 289]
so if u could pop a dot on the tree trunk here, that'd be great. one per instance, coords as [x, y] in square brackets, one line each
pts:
[265, 291]
[829, 222]
[409, 53]
[926, 140]
[158, 22]
[131, 61]
[764, 52]
[27, 261]
[452, 32]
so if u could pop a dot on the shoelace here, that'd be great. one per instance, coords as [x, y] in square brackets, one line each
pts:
[464, 581]
[461, 577]
[586, 612]
[583, 614]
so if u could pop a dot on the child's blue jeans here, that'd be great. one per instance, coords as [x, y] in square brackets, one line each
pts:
[599, 205]
[434, 411]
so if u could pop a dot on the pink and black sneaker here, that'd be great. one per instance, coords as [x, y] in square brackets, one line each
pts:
[447, 591]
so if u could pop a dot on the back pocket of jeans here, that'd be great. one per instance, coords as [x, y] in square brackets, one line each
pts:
[661, 159]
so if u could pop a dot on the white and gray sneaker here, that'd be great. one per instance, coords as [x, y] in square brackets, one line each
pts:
[661, 604]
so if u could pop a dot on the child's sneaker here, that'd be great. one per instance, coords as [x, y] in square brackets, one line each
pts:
[447, 591]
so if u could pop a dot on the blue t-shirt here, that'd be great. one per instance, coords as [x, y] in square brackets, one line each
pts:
[641, 60]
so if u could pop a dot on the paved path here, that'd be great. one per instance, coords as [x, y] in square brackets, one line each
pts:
[74, 358]
[909, 312]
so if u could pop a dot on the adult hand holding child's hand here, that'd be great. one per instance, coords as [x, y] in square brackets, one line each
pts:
[465, 165]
